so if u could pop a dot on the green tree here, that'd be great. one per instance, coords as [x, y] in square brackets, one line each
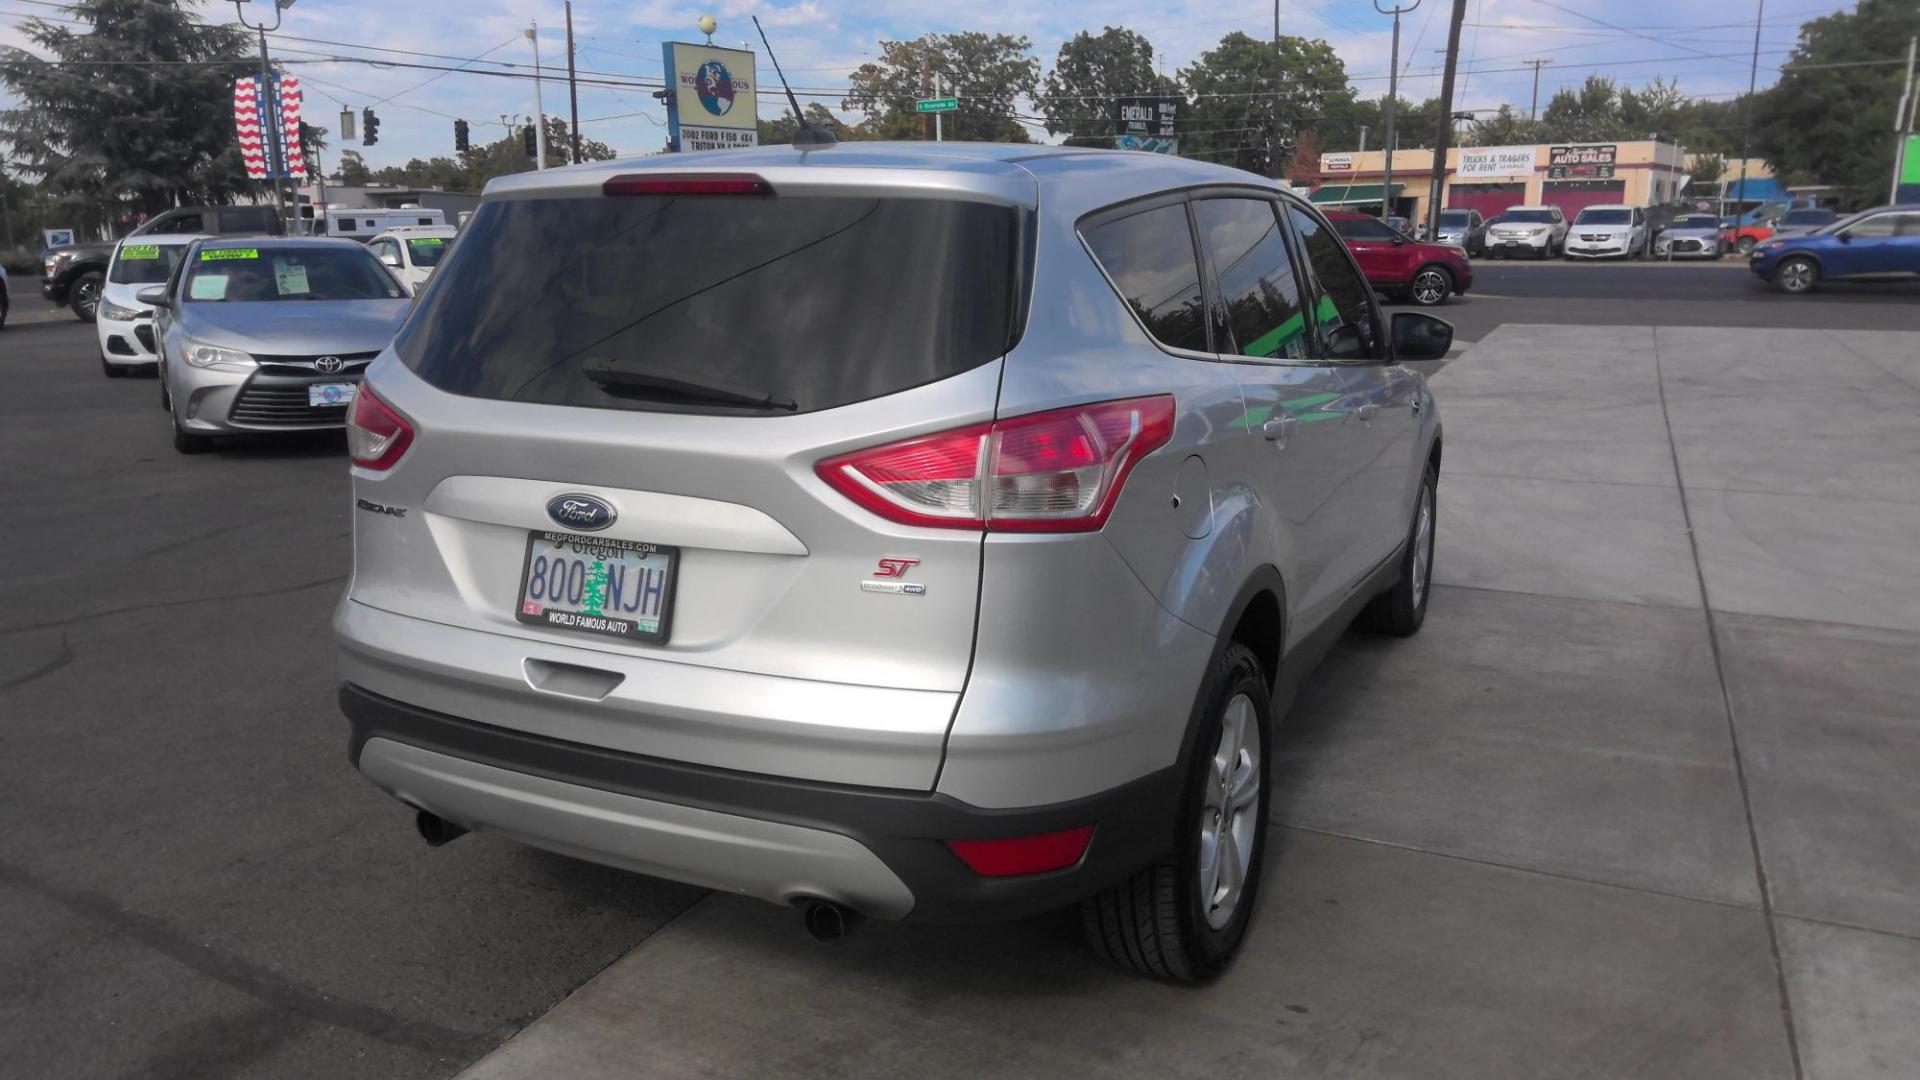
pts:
[1252, 98]
[986, 72]
[1834, 125]
[118, 139]
[353, 170]
[1503, 128]
[1089, 73]
[1706, 171]
[1589, 114]
[779, 131]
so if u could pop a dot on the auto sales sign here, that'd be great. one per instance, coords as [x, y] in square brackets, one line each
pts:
[1590, 162]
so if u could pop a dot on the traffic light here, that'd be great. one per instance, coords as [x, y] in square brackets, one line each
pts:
[460, 143]
[369, 127]
[526, 138]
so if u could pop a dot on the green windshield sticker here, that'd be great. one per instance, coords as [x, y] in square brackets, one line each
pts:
[217, 254]
[426, 242]
[140, 253]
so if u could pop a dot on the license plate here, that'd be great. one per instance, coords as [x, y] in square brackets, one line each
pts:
[598, 585]
[331, 393]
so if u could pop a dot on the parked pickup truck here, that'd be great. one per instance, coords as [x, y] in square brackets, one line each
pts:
[74, 273]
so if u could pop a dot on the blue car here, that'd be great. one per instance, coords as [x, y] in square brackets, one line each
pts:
[1881, 243]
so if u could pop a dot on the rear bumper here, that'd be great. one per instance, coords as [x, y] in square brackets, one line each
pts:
[880, 851]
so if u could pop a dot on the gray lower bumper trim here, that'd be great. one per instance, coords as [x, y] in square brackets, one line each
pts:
[767, 859]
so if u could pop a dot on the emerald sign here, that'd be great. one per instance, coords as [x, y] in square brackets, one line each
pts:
[942, 104]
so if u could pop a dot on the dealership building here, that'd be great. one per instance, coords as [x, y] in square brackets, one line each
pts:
[1491, 178]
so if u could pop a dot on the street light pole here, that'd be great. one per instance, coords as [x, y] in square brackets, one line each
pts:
[1746, 108]
[269, 101]
[539, 106]
[1393, 96]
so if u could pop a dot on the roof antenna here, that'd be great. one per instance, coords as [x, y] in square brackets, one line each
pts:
[806, 134]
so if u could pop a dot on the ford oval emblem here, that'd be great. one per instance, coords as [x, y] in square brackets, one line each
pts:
[583, 512]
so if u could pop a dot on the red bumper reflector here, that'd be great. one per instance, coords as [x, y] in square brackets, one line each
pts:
[687, 184]
[1019, 855]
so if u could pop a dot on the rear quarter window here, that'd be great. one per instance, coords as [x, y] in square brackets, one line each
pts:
[1150, 258]
[811, 302]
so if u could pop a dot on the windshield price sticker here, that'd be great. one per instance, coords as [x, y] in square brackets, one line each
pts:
[426, 242]
[140, 253]
[217, 254]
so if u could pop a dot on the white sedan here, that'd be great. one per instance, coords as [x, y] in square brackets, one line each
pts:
[124, 325]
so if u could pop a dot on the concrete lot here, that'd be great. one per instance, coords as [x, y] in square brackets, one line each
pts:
[1639, 801]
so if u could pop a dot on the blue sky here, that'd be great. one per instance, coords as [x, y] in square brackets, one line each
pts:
[1702, 44]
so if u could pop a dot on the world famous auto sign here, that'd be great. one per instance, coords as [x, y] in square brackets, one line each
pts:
[711, 106]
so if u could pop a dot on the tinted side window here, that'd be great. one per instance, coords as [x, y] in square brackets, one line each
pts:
[1257, 282]
[1880, 225]
[1363, 229]
[1149, 256]
[1344, 307]
[1910, 225]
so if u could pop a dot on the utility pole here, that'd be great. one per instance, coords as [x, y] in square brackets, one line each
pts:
[1393, 96]
[539, 106]
[939, 131]
[1902, 124]
[1445, 136]
[926, 88]
[573, 95]
[1746, 107]
[1533, 110]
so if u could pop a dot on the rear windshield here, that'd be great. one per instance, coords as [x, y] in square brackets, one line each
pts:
[1455, 217]
[1604, 217]
[716, 304]
[233, 274]
[426, 250]
[145, 264]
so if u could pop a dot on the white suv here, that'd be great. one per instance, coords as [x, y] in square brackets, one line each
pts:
[1539, 231]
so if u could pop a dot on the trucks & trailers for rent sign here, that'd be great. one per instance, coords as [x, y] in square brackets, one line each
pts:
[1491, 161]
[1590, 162]
[712, 102]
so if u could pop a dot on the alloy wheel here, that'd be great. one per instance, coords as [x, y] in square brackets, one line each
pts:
[1429, 287]
[1229, 819]
[86, 298]
[1423, 546]
[1796, 276]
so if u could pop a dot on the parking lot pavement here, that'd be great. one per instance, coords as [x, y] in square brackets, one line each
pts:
[1640, 791]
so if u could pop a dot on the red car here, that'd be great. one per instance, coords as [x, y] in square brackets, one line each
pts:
[1397, 264]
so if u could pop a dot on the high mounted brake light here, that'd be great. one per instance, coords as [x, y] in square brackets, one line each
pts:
[688, 184]
[1056, 471]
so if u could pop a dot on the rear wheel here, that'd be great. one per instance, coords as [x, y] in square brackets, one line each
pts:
[1183, 918]
[83, 296]
[1797, 276]
[1431, 286]
[1402, 609]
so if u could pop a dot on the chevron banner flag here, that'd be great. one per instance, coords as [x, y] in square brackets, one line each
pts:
[249, 125]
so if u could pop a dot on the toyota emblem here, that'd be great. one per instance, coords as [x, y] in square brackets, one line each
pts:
[329, 364]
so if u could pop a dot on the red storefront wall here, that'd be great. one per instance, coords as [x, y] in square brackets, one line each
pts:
[1571, 195]
[1489, 199]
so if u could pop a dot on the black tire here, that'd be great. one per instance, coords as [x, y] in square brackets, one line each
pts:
[166, 399]
[83, 296]
[1433, 293]
[1745, 245]
[1156, 922]
[111, 370]
[1402, 609]
[4, 308]
[1797, 276]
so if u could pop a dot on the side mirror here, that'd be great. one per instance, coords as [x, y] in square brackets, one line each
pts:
[1845, 237]
[388, 258]
[1398, 239]
[154, 296]
[1419, 336]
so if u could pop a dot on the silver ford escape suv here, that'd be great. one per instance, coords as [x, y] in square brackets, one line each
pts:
[909, 531]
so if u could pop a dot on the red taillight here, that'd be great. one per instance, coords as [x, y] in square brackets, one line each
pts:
[1058, 471]
[376, 435]
[687, 184]
[1023, 854]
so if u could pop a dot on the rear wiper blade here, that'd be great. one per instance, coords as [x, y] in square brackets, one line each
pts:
[614, 379]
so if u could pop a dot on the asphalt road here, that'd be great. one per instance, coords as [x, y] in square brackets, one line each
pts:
[193, 880]
[1641, 294]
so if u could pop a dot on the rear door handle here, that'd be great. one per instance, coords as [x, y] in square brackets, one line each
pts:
[1279, 429]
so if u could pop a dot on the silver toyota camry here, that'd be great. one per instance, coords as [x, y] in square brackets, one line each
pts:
[268, 335]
